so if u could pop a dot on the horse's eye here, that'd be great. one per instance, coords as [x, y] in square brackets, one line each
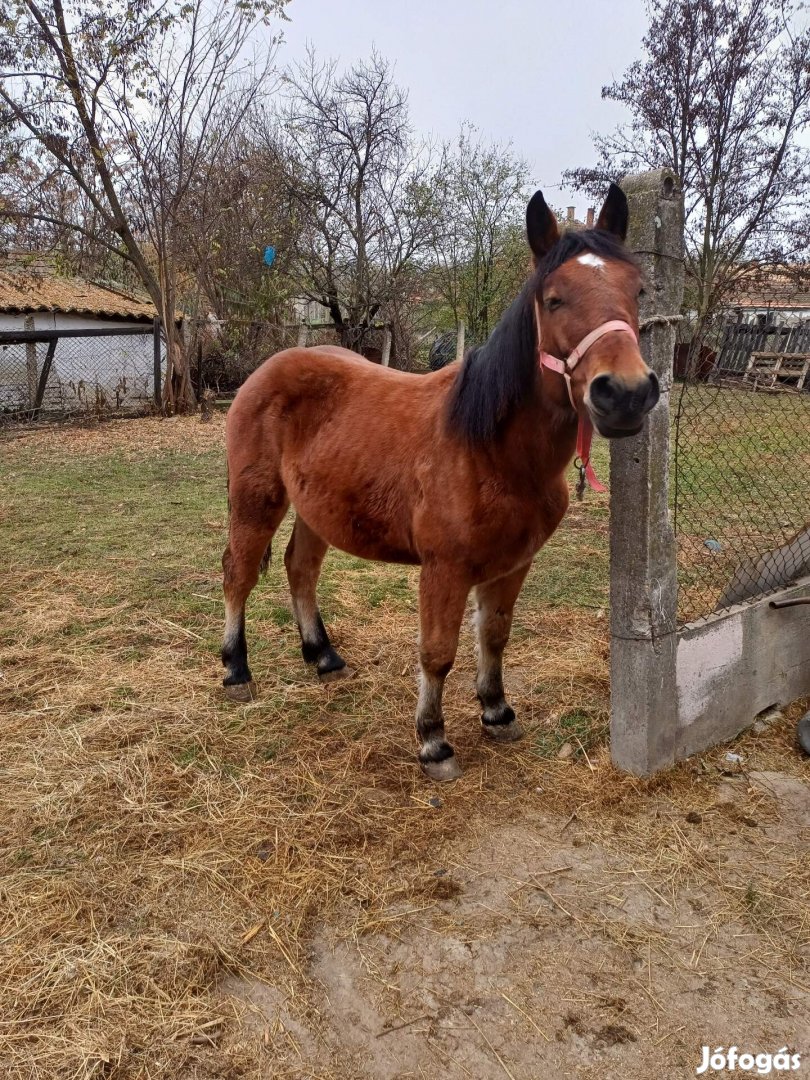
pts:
[553, 303]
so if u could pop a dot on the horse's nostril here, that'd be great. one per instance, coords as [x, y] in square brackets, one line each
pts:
[653, 391]
[604, 393]
[611, 395]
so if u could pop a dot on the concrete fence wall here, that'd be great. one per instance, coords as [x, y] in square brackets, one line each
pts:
[674, 691]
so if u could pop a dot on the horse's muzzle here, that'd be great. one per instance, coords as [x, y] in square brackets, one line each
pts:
[618, 409]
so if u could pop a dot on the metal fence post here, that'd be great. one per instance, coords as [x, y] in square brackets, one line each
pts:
[43, 377]
[158, 376]
[31, 363]
[643, 567]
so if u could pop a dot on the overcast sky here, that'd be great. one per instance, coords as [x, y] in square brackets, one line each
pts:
[529, 71]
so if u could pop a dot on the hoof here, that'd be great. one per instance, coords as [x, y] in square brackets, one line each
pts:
[336, 674]
[449, 769]
[510, 732]
[245, 691]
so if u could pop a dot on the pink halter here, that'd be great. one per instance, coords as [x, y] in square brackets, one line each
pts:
[564, 368]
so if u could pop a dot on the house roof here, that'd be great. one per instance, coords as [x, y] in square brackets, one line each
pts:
[24, 291]
[781, 288]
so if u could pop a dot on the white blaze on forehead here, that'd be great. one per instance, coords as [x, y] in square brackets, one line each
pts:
[592, 260]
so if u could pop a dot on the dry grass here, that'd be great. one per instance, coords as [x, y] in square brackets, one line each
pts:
[155, 839]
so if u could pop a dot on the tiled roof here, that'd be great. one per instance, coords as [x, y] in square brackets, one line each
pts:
[797, 302]
[24, 291]
[774, 288]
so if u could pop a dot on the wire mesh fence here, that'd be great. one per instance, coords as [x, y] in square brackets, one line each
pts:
[72, 374]
[76, 374]
[67, 374]
[450, 345]
[227, 351]
[741, 445]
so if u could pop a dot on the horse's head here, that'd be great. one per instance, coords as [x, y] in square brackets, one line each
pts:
[586, 281]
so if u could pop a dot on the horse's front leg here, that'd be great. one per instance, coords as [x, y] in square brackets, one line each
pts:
[442, 598]
[495, 602]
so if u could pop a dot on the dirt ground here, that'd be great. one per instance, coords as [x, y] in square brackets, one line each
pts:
[550, 954]
[191, 890]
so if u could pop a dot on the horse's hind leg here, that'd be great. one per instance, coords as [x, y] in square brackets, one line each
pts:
[303, 560]
[249, 538]
[495, 602]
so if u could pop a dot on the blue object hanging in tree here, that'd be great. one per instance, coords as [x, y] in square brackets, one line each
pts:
[269, 255]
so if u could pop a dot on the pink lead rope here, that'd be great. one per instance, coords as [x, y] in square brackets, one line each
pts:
[564, 368]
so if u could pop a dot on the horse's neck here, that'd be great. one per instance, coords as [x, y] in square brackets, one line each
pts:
[539, 441]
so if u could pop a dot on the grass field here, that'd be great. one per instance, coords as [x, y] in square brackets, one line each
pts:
[195, 889]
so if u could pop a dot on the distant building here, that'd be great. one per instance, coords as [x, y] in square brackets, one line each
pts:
[765, 333]
[310, 312]
[781, 292]
[117, 371]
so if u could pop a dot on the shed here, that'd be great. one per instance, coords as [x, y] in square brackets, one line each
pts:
[96, 350]
[766, 338]
[775, 294]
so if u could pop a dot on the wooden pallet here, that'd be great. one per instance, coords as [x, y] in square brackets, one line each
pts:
[775, 370]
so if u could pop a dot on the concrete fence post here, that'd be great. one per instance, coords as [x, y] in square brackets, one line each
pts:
[643, 567]
[460, 341]
[385, 358]
[303, 333]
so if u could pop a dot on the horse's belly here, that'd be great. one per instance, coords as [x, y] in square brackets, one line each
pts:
[379, 551]
[363, 539]
[355, 531]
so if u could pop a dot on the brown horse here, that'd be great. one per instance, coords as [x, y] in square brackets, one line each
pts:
[461, 471]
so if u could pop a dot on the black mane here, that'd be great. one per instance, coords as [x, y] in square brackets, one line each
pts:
[499, 376]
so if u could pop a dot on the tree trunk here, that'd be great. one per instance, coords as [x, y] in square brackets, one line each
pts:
[178, 390]
[351, 337]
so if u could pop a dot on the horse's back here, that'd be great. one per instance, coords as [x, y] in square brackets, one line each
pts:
[349, 440]
[303, 376]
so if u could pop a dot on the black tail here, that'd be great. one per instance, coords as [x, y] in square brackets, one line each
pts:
[266, 559]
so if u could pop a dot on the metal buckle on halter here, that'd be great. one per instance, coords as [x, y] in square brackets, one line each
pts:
[579, 465]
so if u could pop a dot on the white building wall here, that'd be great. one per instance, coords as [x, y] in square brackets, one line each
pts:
[88, 373]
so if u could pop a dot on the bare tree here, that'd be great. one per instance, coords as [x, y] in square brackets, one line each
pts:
[129, 101]
[236, 208]
[722, 96]
[357, 187]
[478, 243]
[43, 212]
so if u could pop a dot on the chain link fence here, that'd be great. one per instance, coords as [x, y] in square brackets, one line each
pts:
[450, 345]
[741, 458]
[75, 374]
[61, 374]
[227, 351]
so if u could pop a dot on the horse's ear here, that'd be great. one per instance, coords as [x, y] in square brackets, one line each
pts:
[613, 215]
[541, 226]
